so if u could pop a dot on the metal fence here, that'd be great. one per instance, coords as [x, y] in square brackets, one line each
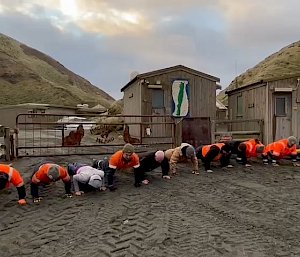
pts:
[58, 134]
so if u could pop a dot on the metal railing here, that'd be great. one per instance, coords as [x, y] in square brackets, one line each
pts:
[85, 134]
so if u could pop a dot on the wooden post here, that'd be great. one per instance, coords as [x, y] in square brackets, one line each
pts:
[12, 146]
[213, 131]
[261, 128]
[7, 144]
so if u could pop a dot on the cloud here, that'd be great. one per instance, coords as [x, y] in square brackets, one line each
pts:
[104, 41]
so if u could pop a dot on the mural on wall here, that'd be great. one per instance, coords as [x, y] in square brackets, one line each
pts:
[180, 95]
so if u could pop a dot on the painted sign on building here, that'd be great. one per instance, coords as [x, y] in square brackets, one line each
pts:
[180, 95]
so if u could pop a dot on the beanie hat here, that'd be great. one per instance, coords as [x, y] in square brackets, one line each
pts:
[260, 148]
[159, 156]
[128, 148]
[95, 181]
[53, 172]
[292, 140]
[190, 152]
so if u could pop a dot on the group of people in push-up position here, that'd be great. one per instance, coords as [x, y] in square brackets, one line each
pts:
[99, 175]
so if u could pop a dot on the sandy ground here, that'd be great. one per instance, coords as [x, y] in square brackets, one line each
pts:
[239, 212]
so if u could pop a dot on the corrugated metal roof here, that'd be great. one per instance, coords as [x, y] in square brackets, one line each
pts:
[165, 70]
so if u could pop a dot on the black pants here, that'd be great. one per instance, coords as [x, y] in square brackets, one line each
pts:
[242, 157]
[108, 172]
[211, 155]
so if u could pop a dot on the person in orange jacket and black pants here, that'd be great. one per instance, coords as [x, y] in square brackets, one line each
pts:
[280, 149]
[120, 160]
[248, 149]
[48, 173]
[215, 152]
[9, 175]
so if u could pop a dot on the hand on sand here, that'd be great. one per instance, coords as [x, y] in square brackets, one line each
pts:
[166, 177]
[22, 202]
[37, 199]
[145, 181]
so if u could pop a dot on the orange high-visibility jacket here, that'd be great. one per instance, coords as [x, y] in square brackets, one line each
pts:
[251, 147]
[41, 176]
[280, 148]
[14, 176]
[117, 161]
[206, 148]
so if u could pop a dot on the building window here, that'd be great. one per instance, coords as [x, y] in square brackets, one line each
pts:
[239, 106]
[157, 98]
[280, 106]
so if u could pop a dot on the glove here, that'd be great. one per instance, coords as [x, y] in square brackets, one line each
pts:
[22, 202]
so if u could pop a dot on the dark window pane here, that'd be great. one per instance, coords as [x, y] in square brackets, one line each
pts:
[239, 106]
[157, 98]
[280, 106]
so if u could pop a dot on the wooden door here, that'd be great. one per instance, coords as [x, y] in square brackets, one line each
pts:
[282, 115]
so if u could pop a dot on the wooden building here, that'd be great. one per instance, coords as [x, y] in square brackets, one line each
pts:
[277, 102]
[185, 95]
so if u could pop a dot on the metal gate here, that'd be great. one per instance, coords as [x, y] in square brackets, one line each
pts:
[86, 134]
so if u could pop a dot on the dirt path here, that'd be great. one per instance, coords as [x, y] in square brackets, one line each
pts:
[242, 212]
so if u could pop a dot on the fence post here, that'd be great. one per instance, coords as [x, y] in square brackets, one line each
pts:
[213, 131]
[261, 128]
[7, 143]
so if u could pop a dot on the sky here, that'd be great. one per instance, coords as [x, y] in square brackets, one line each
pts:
[106, 41]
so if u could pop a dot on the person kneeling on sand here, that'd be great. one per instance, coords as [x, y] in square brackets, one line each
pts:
[45, 174]
[150, 161]
[215, 152]
[182, 153]
[9, 175]
[120, 160]
[85, 178]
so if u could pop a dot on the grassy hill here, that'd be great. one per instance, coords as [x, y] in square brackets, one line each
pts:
[280, 65]
[28, 75]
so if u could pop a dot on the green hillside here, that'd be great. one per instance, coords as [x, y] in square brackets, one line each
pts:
[28, 75]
